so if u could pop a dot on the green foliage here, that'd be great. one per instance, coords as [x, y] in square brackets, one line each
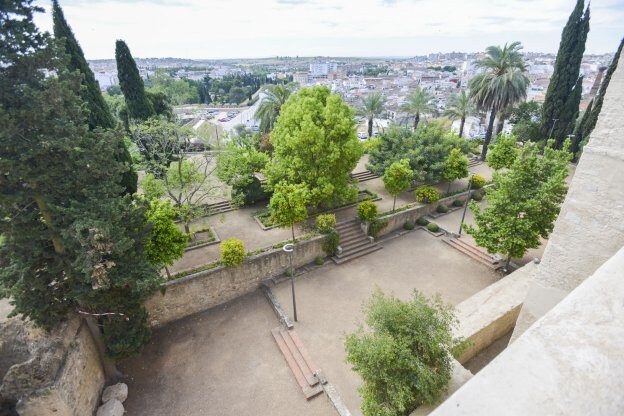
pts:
[371, 144]
[459, 107]
[152, 188]
[442, 209]
[330, 245]
[455, 166]
[371, 106]
[524, 202]
[271, 106]
[503, 153]
[418, 102]
[426, 149]
[167, 242]
[178, 91]
[232, 252]
[404, 356]
[376, 226]
[526, 112]
[565, 87]
[477, 196]
[288, 204]
[398, 178]
[325, 223]
[409, 225]
[367, 211]
[502, 83]
[422, 221]
[458, 203]
[138, 105]
[478, 181]
[72, 242]
[315, 145]
[426, 194]
[319, 260]
[433, 227]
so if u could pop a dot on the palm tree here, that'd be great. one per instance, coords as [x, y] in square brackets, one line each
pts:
[460, 107]
[417, 103]
[271, 105]
[372, 106]
[501, 85]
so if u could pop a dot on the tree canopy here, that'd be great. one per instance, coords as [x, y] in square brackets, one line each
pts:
[373, 105]
[398, 178]
[315, 144]
[460, 106]
[271, 105]
[455, 167]
[288, 205]
[138, 105]
[503, 153]
[417, 103]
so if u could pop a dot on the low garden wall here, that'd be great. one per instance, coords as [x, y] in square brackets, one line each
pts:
[398, 219]
[203, 290]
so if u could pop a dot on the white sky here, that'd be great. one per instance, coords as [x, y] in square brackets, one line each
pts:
[263, 28]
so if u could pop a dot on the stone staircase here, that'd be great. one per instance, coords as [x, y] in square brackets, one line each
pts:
[299, 361]
[220, 207]
[474, 162]
[475, 253]
[353, 241]
[363, 176]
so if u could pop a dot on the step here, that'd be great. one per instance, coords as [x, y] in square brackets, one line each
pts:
[351, 232]
[352, 238]
[353, 250]
[347, 248]
[346, 224]
[474, 162]
[354, 255]
[475, 250]
[470, 254]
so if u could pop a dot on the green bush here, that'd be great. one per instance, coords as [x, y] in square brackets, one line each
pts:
[458, 203]
[433, 227]
[326, 223]
[331, 243]
[422, 221]
[442, 209]
[319, 260]
[426, 194]
[409, 225]
[367, 211]
[477, 197]
[478, 182]
[232, 252]
[376, 226]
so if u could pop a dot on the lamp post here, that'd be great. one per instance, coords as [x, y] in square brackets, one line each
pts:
[290, 248]
[461, 224]
[552, 127]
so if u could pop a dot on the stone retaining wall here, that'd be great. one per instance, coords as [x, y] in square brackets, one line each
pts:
[198, 292]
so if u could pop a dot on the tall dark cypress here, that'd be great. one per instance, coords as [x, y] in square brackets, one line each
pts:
[99, 114]
[137, 102]
[561, 104]
[581, 128]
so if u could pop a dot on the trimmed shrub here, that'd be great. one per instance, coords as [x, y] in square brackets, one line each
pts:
[477, 197]
[326, 223]
[458, 203]
[232, 252]
[422, 221]
[367, 211]
[433, 227]
[478, 182]
[319, 260]
[376, 226]
[442, 209]
[331, 243]
[409, 225]
[426, 194]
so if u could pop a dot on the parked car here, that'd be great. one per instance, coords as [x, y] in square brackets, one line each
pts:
[363, 135]
[375, 133]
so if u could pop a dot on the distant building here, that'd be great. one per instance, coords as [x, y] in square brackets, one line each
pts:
[322, 69]
[300, 78]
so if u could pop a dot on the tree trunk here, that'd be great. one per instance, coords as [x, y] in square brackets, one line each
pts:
[292, 229]
[59, 248]
[461, 126]
[448, 190]
[416, 120]
[111, 373]
[507, 262]
[168, 274]
[500, 124]
[187, 228]
[488, 134]
[370, 127]
[393, 203]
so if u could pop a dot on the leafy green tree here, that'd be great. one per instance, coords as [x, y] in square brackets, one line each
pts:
[288, 205]
[418, 102]
[524, 202]
[160, 103]
[315, 144]
[503, 153]
[373, 105]
[502, 84]
[404, 357]
[526, 118]
[271, 105]
[581, 139]
[160, 142]
[178, 91]
[232, 252]
[455, 167]
[398, 178]
[561, 104]
[460, 107]
[236, 166]
[137, 102]
[73, 244]
[167, 242]
[99, 114]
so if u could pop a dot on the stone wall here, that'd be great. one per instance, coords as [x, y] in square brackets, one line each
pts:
[397, 220]
[198, 292]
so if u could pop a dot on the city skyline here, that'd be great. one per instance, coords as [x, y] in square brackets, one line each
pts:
[368, 28]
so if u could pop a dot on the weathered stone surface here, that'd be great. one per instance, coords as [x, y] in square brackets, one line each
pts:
[112, 407]
[117, 391]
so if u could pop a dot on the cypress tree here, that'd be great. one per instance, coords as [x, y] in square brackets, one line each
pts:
[99, 114]
[137, 102]
[581, 128]
[562, 99]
